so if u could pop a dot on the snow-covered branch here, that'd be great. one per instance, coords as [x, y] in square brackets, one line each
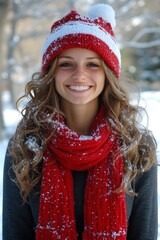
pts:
[145, 31]
[135, 44]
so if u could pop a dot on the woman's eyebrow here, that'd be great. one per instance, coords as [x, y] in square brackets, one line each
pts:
[65, 57]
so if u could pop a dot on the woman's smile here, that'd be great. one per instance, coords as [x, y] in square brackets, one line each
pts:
[78, 88]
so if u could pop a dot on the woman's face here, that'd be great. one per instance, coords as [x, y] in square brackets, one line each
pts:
[79, 77]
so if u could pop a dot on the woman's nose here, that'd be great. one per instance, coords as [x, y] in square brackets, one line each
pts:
[79, 73]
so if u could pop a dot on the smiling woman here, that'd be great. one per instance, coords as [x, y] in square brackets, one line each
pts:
[80, 165]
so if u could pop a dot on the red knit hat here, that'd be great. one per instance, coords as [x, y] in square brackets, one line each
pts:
[93, 32]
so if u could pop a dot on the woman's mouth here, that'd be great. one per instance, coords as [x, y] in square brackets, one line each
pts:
[79, 88]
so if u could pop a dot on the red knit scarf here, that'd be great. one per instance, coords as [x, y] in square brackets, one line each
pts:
[104, 207]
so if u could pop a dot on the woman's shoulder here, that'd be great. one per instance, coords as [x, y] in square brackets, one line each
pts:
[147, 150]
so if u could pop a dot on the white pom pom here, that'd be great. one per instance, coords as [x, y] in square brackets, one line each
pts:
[104, 11]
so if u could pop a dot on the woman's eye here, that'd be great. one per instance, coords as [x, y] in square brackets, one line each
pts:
[65, 64]
[93, 65]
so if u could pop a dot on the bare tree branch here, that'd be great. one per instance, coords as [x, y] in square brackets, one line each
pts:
[145, 31]
[134, 44]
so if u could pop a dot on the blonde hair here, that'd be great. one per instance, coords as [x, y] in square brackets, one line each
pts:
[138, 146]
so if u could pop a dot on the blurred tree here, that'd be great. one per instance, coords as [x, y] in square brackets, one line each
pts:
[3, 13]
[140, 39]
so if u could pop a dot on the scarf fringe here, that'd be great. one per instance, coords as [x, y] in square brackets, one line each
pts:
[121, 235]
[49, 234]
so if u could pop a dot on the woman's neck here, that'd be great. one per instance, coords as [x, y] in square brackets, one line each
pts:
[79, 118]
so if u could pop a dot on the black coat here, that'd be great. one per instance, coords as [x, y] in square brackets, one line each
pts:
[20, 219]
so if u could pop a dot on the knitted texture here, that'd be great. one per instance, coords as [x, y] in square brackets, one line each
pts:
[104, 207]
[93, 32]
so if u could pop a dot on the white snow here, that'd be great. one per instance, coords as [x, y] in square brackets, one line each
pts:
[149, 99]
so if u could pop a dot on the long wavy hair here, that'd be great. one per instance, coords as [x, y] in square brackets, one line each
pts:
[138, 145]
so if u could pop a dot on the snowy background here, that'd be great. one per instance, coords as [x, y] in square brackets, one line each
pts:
[151, 100]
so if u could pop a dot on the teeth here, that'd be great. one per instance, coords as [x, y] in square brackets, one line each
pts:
[79, 88]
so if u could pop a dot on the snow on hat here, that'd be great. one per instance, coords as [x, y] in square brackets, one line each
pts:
[93, 32]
